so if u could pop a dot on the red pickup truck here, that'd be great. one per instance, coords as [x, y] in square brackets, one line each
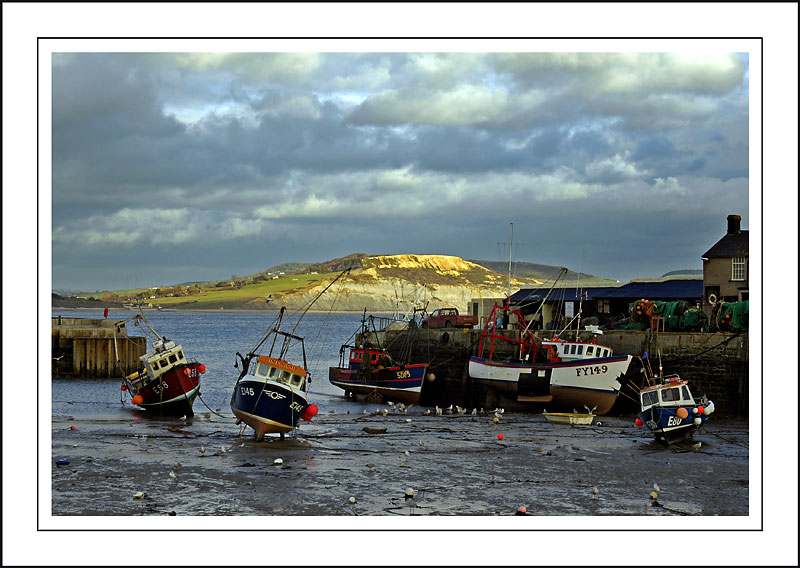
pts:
[448, 317]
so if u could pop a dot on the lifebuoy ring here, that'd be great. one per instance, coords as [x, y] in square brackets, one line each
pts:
[712, 299]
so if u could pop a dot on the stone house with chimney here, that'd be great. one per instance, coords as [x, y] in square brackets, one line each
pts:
[726, 266]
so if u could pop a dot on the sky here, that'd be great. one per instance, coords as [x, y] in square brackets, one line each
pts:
[181, 166]
[126, 163]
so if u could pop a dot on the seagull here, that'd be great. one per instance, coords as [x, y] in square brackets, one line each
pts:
[697, 446]
[427, 412]
[172, 475]
[183, 417]
[385, 412]
[449, 409]
[474, 411]
[656, 487]
[460, 410]
[438, 411]
[407, 453]
[224, 449]
[401, 407]
[202, 449]
[177, 465]
[58, 358]
[365, 411]
[589, 411]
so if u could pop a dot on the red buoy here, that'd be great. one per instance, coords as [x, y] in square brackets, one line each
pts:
[499, 436]
[309, 412]
[639, 422]
[202, 368]
[124, 387]
[700, 410]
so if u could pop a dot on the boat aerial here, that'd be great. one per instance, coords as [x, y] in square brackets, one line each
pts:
[370, 371]
[568, 373]
[168, 381]
[271, 392]
[669, 410]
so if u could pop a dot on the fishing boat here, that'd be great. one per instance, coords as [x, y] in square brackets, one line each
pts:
[572, 418]
[568, 373]
[167, 382]
[670, 411]
[271, 392]
[371, 372]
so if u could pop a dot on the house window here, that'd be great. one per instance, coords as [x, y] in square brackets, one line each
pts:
[739, 263]
[604, 306]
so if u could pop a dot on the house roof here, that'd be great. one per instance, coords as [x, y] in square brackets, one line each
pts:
[557, 295]
[673, 289]
[735, 244]
[690, 289]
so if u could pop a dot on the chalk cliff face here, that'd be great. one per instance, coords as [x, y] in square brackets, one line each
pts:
[382, 283]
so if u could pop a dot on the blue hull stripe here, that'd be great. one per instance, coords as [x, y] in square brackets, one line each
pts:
[269, 401]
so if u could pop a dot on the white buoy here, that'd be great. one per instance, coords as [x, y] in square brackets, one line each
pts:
[138, 495]
[278, 461]
[409, 493]
[352, 500]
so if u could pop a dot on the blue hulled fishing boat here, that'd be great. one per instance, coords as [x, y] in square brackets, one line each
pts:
[670, 411]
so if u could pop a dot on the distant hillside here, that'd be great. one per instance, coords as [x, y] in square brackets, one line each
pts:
[379, 283]
[60, 301]
[683, 273]
[532, 270]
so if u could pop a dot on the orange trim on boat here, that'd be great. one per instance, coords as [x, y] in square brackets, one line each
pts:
[281, 364]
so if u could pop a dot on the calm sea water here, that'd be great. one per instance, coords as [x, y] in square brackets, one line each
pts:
[213, 338]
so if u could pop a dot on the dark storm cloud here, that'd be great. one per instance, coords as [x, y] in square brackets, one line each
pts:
[309, 156]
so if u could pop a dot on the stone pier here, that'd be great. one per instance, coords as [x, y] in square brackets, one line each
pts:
[84, 348]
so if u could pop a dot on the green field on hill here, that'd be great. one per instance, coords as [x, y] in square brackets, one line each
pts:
[214, 298]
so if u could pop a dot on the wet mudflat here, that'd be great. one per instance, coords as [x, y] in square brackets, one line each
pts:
[456, 465]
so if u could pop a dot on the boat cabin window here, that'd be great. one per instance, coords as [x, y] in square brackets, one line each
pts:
[580, 349]
[261, 370]
[373, 358]
[296, 379]
[669, 395]
[180, 355]
[164, 363]
[173, 358]
[685, 391]
[589, 350]
[285, 375]
[356, 356]
[649, 398]
[272, 372]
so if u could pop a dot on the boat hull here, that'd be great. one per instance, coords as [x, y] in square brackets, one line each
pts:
[590, 382]
[172, 393]
[397, 384]
[668, 427]
[268, 407]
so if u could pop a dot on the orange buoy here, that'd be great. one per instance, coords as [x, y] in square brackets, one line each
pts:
[187, 371]
[138, 399]
[682, 412]
[202, 368]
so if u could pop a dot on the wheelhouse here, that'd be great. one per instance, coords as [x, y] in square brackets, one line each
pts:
[674, 392]
[567, 350]
[164, 356]
[280, 371]
[375, 358]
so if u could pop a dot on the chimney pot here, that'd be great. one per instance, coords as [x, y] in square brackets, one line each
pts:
[734, 224]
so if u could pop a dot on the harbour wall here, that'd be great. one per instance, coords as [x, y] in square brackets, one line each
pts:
[716, 364]
[84, 348]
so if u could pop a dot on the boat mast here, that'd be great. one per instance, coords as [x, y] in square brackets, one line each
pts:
[510, 245]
